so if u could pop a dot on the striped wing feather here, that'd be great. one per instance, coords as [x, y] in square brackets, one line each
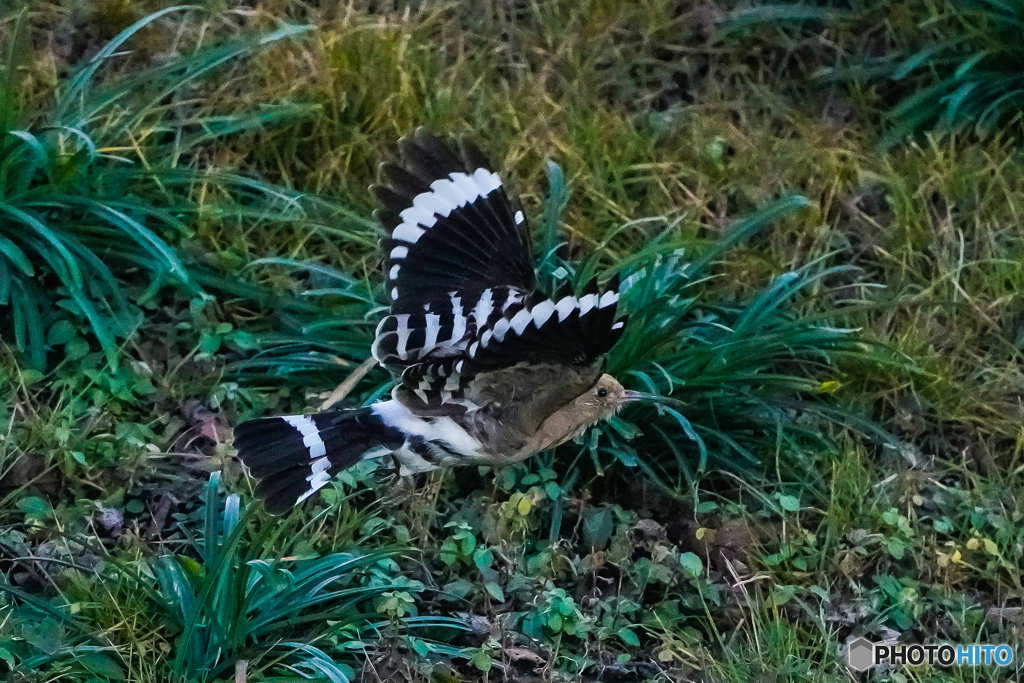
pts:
[435, 388]
[459, 274]
[572, 332]
[442, 328]
[451, 226]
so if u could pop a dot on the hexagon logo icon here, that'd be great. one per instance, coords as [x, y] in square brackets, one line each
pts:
[860, 654]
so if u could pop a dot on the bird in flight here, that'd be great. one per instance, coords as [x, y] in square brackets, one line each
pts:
[489, 370]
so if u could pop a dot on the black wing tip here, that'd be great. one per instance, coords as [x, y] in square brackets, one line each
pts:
[459, 147]
[420, 158]
[423, 149]
[423, 136]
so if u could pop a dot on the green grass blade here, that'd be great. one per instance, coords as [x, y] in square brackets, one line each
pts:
[69, 266]
[551, 225]
[749, 226]
[16, 256]
[80, 82]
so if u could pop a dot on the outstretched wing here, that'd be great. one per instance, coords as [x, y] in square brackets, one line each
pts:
[570, 332]
[459, 274]
[457, 255]
[450, 224]
[442, 328]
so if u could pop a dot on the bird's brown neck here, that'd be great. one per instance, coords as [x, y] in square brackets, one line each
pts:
[562, 425]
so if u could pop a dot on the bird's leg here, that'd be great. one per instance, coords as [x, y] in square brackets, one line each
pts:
[393, 474]
[349, 384]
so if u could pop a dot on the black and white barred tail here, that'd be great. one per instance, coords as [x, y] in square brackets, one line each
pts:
[294, 456]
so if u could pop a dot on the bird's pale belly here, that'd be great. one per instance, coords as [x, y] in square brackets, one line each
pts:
[422, 456]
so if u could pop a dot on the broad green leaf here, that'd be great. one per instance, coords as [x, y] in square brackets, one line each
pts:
[789, 503]
[494, 590]
[628, 637]
[61, 332]
[692, 565]
[598, 525]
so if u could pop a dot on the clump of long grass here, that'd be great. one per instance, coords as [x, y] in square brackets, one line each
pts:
[99, 183]
[969, 77]
[236, 592]
[723, 378]
[957, 68]
[248, 598]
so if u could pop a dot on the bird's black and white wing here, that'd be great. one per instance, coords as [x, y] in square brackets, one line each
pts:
[457, 255]
[569, 331]
[466, 332]
[442, 328]
[458, 271]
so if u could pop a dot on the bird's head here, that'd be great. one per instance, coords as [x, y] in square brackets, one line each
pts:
[603, 400]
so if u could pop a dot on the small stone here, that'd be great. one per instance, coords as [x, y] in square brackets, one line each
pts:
[110, 519]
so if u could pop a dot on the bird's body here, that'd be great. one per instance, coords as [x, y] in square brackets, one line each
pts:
[491, 372]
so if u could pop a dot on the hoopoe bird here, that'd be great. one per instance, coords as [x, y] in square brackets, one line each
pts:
[489, 370]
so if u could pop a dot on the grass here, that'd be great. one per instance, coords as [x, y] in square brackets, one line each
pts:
[829, 311]
[73, 175]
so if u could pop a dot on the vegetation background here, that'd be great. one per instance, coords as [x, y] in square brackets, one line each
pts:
[817, 207]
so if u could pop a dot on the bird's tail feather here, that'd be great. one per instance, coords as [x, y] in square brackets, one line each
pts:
[294, 456]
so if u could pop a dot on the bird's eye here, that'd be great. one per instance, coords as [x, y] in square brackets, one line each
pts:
[602, 392]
